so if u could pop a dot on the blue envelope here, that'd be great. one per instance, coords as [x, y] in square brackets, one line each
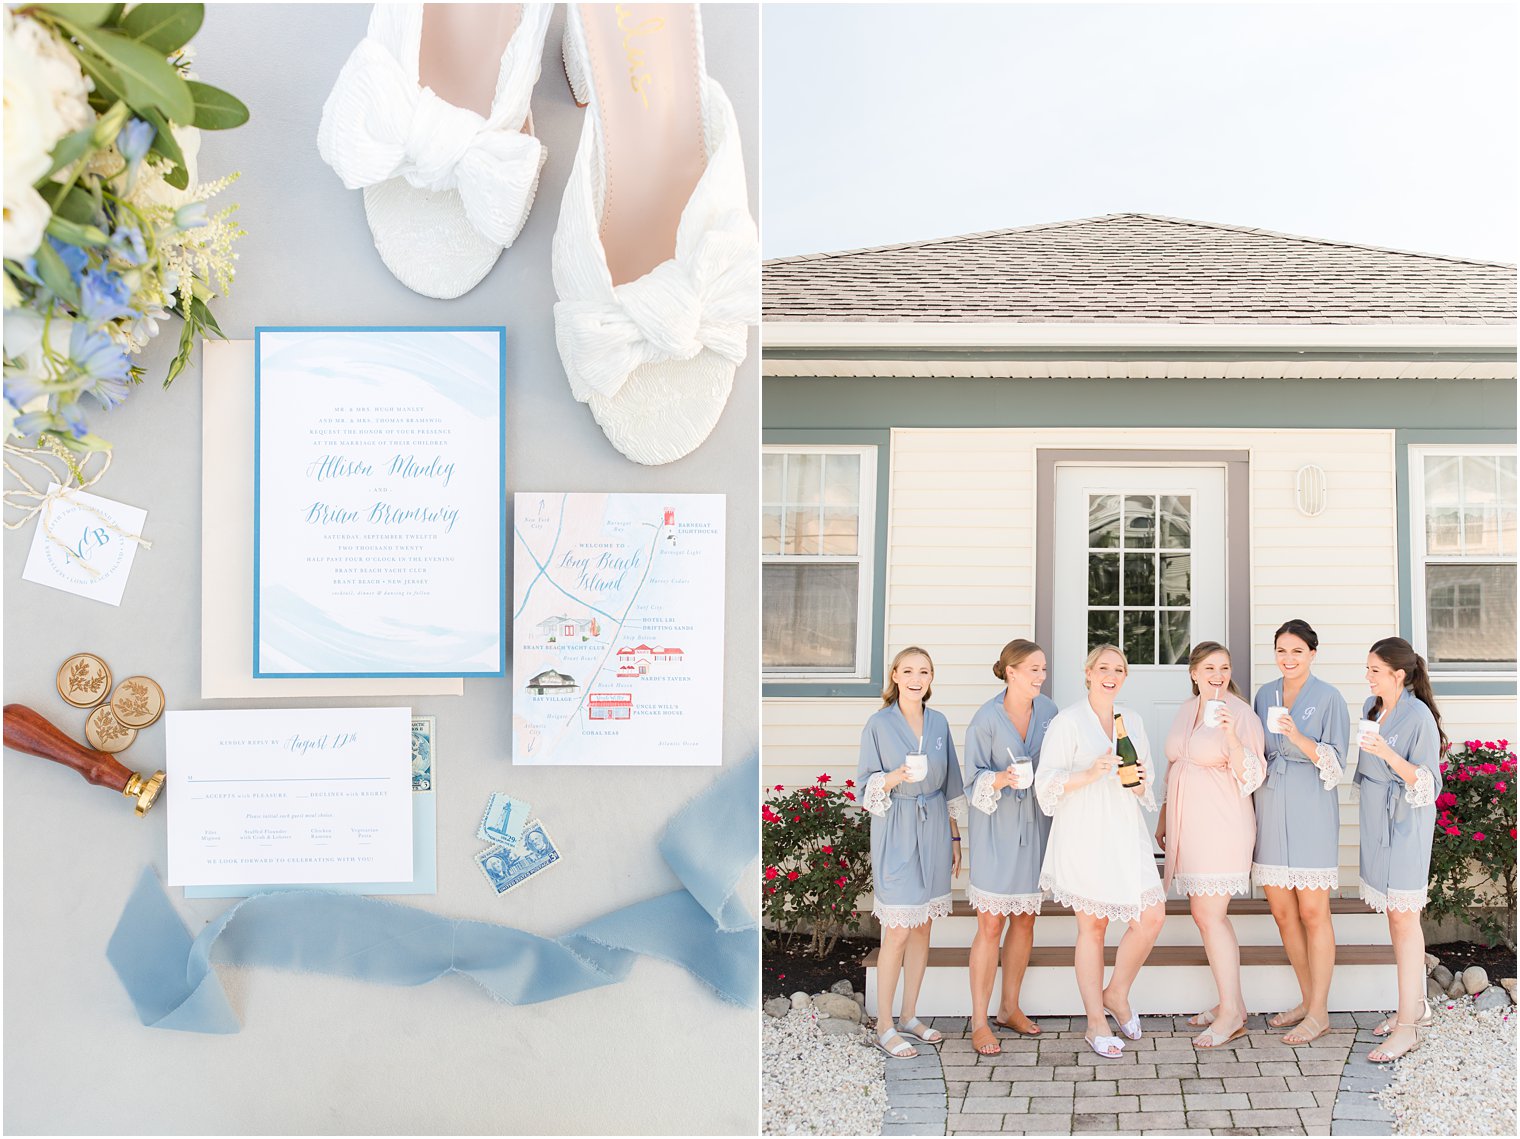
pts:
[424, 863]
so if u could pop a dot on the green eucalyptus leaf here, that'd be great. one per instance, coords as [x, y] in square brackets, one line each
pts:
[178, 177]
[215, 109]
[201, 313]
[76, 234]
[163, 27]
[55, 274]
[80, 15]
[149, 79]
[76, 205]
[70, 149]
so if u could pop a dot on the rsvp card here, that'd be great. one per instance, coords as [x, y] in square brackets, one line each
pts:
[378, 502]
[275, 797]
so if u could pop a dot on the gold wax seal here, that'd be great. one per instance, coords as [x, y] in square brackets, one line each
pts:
[84, 680]
[106, 733]
[138, 701]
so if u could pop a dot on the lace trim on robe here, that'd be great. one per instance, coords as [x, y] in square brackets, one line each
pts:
[877, 799]
[1297, 877]
[1113, 911]
[907, 917]
[984, 793]
[957, 808]
[1329, 763]
[1255, 773]
[1403, 900]
[989, 903]
[1192, 885]
[1051, 791]
[1422, 792]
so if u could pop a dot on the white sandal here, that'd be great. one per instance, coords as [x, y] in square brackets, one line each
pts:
[1109, 1047]
[902, 1050]
[447, 185]
[656, 257]
[921, 1031]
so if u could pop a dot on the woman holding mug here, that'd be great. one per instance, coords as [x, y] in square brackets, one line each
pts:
[1007, 835]
[1298, 821]
[1208, 830]
[1098, 860]
[1399, 773]
[911, 785]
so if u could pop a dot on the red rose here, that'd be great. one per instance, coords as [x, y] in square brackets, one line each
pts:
[1501, 786]
[792, 875]
[779, 787]
[796, 818]
[849, 782]
[1446, 799]
[771, 872]
[824, 778]
[827, 849]
[1453, 830]
[841, 881]
[850, 795]
[1479, 836]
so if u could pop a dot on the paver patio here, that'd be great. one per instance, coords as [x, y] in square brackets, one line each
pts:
[1055, 1085]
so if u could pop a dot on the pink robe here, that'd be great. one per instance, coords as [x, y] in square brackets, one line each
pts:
[1210, 822]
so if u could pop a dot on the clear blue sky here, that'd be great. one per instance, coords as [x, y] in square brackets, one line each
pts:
[1389, 125]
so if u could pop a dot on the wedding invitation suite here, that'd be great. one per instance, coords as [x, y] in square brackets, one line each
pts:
[379, 499]
[617, 629]
[300, 795]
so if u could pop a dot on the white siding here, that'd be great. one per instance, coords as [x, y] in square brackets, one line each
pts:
[961, 560]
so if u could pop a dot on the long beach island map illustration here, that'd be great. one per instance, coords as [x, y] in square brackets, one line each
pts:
[617, 627]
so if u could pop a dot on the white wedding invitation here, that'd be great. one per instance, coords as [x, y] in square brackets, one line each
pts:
[379, 497]
[289, 796]
[617, 629]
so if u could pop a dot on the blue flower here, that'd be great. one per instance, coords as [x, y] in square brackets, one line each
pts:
[73, 415]
[35, 423]
[22, 386]
[104, 296]
[73, 257]
[191, 216]
[101, 361]
[134, 140]
[127, 242]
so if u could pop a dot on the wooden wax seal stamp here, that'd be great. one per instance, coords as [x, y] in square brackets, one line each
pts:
[30, 732]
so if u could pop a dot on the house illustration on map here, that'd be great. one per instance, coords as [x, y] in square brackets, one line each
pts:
[638, 660]
[562, 628]
[609, 706]
[551, 681]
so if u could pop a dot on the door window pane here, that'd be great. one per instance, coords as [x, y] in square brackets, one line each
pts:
[1102, 627]
[1140, 636]
[1139, 521]
[1150, 583]
[1103, 579]
[1176, 639]
[1139, 580]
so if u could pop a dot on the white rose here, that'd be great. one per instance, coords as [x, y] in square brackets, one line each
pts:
[26, 216]
[32, 125]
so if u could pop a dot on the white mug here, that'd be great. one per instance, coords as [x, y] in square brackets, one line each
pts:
[1211, 710]
[1366, 728]
[1275, 717]
[918, 767]
[1023, 773]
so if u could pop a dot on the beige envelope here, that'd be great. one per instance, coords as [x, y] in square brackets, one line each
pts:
[227, 548]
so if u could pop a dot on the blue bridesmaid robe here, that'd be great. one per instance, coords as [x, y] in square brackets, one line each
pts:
[1398, 820]
[910, 829]
[1298, 818]
[1006, 847]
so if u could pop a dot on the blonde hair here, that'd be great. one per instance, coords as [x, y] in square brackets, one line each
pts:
[1014, 653]
[1092, 659]
[889, 693]
[1201, 652]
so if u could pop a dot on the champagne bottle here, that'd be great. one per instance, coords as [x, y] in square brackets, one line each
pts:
[1129, 759]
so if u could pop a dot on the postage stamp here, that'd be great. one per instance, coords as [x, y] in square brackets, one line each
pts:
[508, 869]
[423, 730]
[504, 820]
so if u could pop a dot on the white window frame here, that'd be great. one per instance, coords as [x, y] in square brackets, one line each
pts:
[1419, 557]
[866, 559]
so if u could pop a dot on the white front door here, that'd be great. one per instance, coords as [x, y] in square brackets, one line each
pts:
[1139, 562]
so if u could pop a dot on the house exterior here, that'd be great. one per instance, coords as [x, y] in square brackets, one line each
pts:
[1139, 429]
[549, 681]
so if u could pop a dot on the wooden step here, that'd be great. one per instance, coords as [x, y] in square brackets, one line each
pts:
[961, 908]
[1175, 979]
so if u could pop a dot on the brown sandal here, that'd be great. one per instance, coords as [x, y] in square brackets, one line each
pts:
[985, 1042]
[1033, 1029]
[1306, 1031]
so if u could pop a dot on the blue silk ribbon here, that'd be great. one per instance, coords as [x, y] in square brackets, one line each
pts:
[704, 928]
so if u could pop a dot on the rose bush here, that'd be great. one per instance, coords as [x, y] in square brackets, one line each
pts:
[815, 849]
[1472, 860]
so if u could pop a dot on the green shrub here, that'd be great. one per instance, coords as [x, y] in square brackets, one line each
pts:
[815, 847]
[1472, 860]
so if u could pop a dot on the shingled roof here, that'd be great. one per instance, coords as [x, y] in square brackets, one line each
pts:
[1138, 268]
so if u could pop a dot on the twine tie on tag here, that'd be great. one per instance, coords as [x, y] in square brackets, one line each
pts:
[39, 503]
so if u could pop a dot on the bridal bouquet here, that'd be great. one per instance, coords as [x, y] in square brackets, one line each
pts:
[108, 231]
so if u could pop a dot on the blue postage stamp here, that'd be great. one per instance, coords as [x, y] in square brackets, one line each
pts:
[504, 820]
[423, 730]
[508, 869]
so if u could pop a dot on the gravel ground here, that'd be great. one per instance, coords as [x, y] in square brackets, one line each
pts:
[814, 1084]
[1461, 1079]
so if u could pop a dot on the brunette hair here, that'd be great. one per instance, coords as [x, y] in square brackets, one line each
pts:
[1201, 652]
[1399, 655]
[1014, 653]
[889, 693]
[1299, 629]
[1097, 651]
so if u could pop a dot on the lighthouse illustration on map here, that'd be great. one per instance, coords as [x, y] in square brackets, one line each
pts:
[617, 626]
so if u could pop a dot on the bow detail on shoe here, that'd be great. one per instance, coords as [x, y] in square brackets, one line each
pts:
[379, 124]
[704, 297]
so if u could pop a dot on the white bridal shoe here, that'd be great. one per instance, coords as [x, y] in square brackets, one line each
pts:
[656, 257]
[430, 117]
